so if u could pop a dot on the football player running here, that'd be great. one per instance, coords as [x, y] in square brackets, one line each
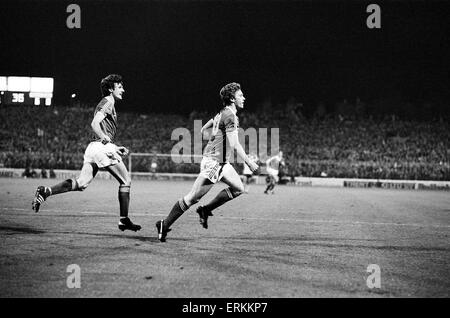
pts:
[273, 166]
[215, 165]
[100, 154]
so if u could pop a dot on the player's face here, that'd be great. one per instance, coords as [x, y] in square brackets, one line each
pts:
[239, 99]
[118, 91]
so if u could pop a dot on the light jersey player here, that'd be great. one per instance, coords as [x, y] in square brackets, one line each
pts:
[215, 164]
[101, 153]
[272, 167]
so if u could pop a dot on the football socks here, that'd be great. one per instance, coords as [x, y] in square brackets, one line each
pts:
[65, 186]
[124, 199]
[177, 210]
[222, 197]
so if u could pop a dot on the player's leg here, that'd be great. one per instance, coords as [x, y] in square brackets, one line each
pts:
[201, 186]
[120, 172]
[269, 180]
[273, 183]
[235, 189]
[247, 183]
[88, 172]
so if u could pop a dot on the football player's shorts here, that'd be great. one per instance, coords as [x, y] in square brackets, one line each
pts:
[102, 155]
[272, 172]
[212, 169]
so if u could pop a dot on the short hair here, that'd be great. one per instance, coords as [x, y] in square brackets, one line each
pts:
[107, 83]
[228, 92]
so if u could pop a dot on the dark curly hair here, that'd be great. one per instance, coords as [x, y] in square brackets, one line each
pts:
[107, 83]
[227, 92]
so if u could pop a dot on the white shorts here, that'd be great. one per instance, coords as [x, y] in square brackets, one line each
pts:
[272, 172]
[211, 169]
[102, 155]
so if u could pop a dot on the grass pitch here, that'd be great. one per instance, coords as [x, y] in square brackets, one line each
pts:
[299, 242]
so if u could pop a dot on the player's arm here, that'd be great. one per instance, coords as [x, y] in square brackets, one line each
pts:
[233, 139]
[95, 124]
[207, 125]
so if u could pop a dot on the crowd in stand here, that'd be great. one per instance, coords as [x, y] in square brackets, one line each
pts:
[332, 145]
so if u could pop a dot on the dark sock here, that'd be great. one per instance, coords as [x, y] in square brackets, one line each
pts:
[222, 197]
[65, 186]
[178, 209]
[272, 186]
[268, 188]
[124, 200]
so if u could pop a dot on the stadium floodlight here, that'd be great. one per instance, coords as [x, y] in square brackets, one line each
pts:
[73, 95]
[42, 84]
[19, 84]
[48, 101]
[37, 101]
[3, 86]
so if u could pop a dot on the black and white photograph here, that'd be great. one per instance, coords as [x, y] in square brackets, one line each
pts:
[228, 155]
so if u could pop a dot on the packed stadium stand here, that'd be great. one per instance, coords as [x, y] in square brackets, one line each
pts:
[324, 145]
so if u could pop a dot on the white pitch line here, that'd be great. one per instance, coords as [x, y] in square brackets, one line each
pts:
[251, 219]
[93, 212]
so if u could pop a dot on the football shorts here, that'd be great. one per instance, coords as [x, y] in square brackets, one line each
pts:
[211, 169]
[102, 155]
[273, 173]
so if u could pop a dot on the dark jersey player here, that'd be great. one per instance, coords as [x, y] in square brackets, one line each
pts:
[101, 153]
[215, 164]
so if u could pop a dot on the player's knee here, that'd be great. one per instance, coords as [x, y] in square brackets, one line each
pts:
[81, 186]
[194, 201]
[237, 190]
[190, 201]
[127, 182]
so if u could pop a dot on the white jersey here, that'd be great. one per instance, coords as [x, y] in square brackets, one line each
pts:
[274, 162]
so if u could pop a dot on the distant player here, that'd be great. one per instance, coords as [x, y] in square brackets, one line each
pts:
[248, 174]
[101, 153]
[273, 166]
[215, 164]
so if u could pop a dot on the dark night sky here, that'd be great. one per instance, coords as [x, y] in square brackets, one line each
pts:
[176, 55]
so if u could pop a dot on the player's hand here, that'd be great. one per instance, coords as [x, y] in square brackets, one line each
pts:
[106, 139]
[121, 150]
[252, 165]
[205, 134]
